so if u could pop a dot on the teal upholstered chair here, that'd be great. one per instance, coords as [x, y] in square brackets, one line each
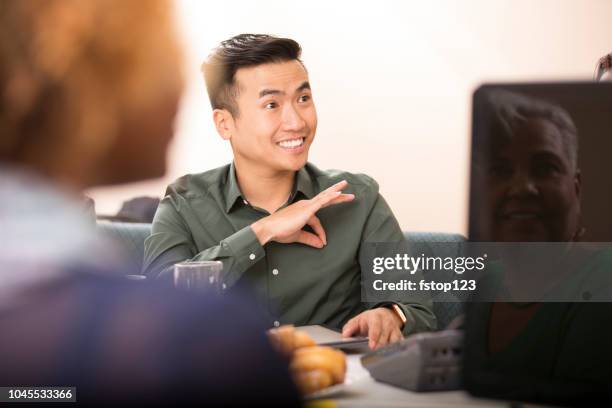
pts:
[442, 245]
[130, 237]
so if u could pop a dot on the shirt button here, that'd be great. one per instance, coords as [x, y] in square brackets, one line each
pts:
[224, 286]
[252, 257]
[276, 323]
[275, 271]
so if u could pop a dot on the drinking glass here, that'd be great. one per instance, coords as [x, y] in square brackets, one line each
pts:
[200, 276]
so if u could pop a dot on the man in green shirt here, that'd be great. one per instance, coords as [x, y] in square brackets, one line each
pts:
[283, 228]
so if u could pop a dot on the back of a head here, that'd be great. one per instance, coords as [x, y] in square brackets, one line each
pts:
[241, 51]
[76, 78]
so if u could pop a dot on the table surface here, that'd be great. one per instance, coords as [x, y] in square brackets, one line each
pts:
[361, 390]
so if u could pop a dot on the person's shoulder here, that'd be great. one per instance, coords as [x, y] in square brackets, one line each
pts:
[358, 182]
[198, 184]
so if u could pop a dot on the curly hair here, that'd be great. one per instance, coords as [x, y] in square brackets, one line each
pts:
[69, 69]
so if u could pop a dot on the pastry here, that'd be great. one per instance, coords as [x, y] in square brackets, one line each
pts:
[313, 367]
[320, 358]
[312, 381]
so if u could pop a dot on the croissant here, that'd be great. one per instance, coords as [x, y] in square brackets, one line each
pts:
[283, 339]
[320, 358]
[311, 381]
[301, 339]
[313, 367]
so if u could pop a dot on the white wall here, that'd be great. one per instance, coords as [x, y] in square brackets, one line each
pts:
[392, 81]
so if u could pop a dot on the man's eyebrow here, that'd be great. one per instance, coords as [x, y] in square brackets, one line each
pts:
[265, 92]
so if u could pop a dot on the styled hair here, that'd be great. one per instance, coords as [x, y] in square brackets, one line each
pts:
[508, 110]
[240, 51]
[603, 65]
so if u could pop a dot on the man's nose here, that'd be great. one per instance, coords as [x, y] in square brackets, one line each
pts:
[522, 184]
[292, 120]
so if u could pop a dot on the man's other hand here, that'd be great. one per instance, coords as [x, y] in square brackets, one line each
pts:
[381, 325]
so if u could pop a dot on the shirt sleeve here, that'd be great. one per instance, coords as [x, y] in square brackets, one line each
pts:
[171, 242]
[382, 226]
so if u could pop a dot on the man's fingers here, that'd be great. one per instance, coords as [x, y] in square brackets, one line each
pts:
[350, 327]
[396, 335]
[315, 223]
[342, 198]
[336, 187]
[329, 194]
[374, 331]
[284, 225]
[322, 199]
[363, 326]
[310, 239]
[385, 333]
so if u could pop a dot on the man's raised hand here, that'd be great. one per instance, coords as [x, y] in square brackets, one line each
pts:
[286, 225]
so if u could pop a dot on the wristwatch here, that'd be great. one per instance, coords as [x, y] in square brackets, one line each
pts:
[398, 312]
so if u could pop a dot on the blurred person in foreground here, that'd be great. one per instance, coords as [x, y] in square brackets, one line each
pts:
[291, 232]
[88, 95]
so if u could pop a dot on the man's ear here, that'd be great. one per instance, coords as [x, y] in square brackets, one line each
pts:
[224, 122]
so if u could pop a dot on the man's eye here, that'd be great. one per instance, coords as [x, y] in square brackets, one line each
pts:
[304, 98]
[271, 105]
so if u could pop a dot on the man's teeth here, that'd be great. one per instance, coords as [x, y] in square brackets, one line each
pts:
[291, 144]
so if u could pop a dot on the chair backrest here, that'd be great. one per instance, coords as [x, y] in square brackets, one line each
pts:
[438, 244]
[129, 238]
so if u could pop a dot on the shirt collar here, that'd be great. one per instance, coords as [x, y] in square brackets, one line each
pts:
[303, 184]
[232, 190]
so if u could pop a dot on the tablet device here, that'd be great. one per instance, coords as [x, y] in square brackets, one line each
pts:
[325, 336]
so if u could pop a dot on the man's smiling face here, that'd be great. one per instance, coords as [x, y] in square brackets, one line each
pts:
[276, 119]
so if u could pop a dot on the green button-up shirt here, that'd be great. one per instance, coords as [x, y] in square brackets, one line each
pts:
[206, 217]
